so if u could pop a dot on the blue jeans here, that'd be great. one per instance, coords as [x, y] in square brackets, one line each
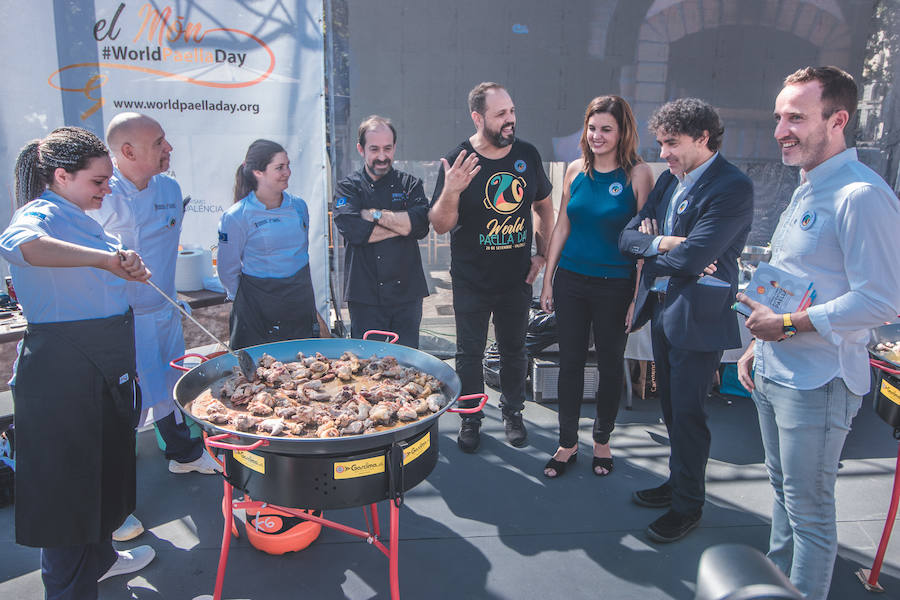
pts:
[803, 433]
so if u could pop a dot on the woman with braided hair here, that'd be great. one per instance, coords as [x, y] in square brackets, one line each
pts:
[74, 385]
[264, 252]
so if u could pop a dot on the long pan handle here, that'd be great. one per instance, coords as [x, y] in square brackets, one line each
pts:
[188, 315]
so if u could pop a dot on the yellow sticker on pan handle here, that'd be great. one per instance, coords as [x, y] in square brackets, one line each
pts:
[415, 451]
[359, 468]
[251, 461]
[890, 392]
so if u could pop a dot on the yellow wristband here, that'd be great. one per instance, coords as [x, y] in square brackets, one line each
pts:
[786, 320]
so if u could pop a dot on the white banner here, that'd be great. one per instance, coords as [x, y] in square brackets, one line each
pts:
[216, 75]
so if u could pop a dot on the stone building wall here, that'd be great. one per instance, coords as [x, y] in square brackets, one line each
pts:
[415, 62]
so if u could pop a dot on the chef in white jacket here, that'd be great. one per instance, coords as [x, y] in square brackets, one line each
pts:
[145, 211]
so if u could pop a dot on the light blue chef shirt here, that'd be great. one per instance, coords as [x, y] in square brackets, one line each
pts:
[149, 222]
[261, 242]
[840, 231]
[52, 294]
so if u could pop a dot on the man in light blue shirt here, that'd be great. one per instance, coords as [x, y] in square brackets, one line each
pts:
[838, 231]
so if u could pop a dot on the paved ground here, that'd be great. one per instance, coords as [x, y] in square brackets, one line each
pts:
[490, 526]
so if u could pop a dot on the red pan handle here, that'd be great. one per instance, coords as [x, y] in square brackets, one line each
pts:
[174, 362]
[394, 337]
[215, 442]
[883, 366]
[470, 411]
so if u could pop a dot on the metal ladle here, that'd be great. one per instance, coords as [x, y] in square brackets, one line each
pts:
[245, 362]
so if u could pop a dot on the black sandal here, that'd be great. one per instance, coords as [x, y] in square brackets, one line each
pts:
[603, 463]
[558, 466]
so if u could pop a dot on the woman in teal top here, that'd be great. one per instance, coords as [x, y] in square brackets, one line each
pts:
[589, 283]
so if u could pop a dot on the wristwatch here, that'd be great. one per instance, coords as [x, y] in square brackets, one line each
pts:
[787, 326]
[376, 214]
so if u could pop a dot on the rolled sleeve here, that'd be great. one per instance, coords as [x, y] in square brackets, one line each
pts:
[819, 319]
[12, 239]
[23, 229]
[867, 221]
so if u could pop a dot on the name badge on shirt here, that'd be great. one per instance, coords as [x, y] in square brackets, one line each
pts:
[807, 220]
[682, 206]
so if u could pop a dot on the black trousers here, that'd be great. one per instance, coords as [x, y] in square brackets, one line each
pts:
[180, 446]
[683, 379]
[473, 310]
[583, 302]
[403, 319]
[71, 572]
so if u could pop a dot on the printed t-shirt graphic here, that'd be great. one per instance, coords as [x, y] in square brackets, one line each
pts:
[491, 244]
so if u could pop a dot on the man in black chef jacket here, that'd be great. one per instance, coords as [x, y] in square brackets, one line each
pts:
[382, 213]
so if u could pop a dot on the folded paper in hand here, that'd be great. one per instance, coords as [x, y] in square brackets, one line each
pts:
[777, 289]
[710, 281]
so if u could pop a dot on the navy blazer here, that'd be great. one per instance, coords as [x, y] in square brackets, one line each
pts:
[716, 223]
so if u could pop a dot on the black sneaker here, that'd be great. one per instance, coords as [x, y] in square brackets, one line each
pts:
[515, 429]
[658, 497]
[673, 526]
[469, 438]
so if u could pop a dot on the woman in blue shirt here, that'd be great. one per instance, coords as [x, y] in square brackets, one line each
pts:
[263, 256]
[75, 392]
[589, 283]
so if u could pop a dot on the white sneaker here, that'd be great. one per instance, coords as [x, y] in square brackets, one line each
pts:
[129, 530]
[130, 561]
[206, 465]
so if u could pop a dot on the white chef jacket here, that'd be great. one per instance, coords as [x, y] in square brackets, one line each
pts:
[149, 222]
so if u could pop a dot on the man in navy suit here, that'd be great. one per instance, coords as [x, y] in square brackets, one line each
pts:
[695, 221]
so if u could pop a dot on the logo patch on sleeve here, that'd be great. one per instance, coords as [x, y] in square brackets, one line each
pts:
[37, 215]
[223, 237]
[340, 202]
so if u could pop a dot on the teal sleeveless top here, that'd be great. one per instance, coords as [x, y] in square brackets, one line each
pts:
[598, 210]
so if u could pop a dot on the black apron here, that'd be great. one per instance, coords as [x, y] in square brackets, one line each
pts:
[272, 309]
[77, 403]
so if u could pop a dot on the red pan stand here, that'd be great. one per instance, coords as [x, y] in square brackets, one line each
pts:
[373, 529]
[371, 535]
[887, 405]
